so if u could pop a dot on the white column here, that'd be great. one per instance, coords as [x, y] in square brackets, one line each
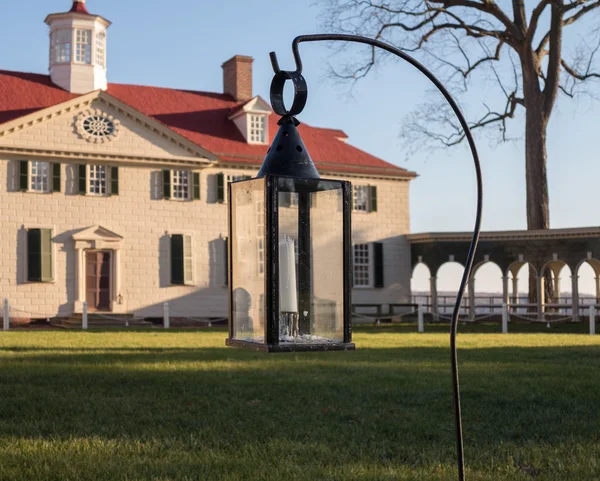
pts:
[504, 318]
[434, 298]
[420, 321]
[539, 282]
[84, 318]
[79, 276]
[166, 319]
[6, 323]
[575, 298]
[592, 320]
[505, 294]
[515, 289]
[557, 288]
[472, 307]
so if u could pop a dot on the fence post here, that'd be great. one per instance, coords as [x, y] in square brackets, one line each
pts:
[420, 320]
[166, 320]
[592, 320]
[6, 323]
[504, 318]
[84, 318]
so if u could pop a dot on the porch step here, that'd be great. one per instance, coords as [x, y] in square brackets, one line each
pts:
[96, 321]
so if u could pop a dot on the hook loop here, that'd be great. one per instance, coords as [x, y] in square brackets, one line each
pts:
[300, 91]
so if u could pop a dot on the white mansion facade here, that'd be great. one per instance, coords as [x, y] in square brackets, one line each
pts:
[115, 195]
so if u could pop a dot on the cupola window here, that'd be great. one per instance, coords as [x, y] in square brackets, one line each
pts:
[62, 46]
[100, 49]
[83, 52]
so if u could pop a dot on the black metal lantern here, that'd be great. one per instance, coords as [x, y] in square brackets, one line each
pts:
[289, 249]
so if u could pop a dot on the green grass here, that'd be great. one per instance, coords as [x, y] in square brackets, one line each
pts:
[178, 405]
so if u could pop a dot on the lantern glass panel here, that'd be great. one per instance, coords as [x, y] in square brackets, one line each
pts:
[311, 261]
[248, 255]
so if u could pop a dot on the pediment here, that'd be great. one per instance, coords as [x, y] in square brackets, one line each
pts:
[257, 105]
[97, 233]
[62, 130]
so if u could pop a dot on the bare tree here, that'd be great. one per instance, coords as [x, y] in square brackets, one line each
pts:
[519, 47]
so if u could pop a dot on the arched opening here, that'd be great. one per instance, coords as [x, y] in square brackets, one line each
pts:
[420, 285]
[588, 283]
[559, 300]
[487, 292]
[518, 288]
[448, 277]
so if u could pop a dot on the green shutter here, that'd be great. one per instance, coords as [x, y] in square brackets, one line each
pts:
[188, 263]
[220, 187]
[114, 181]
[226, 247]
[34, 255]
[24, 175]
[82, 179]
[55, 177]
[177, 259]
[246, 177]
[46, 254]
[378, 262]
[373, 199]
[166, 175]
[196, 186]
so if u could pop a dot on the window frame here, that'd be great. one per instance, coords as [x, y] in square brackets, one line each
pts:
[188, 185]
[107, 180]
[257, 129]
[192, 257]
[355, 189]
[229, 178]
[53, 252]
[47, 189]
[100, 49]
[83, 49]
[60, 51]
[369, 264]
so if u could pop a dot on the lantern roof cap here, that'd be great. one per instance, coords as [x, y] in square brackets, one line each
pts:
[288, 155]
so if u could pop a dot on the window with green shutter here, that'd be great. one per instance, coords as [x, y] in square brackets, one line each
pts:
[23, 175]
[82, 177]
[220, 187]
[372, 199]
[182, 266]
[166, 178]
[196, 186]
[378, 265]
[39, 255]
[55, 177]
[114, 181]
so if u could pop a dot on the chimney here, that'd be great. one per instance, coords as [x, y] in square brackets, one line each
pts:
[237, 77]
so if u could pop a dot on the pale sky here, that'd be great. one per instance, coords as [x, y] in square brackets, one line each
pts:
[182, 44]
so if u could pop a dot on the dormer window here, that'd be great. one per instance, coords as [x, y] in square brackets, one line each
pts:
[83, 46]
[257, 129]
[100, 49]
[62, 46]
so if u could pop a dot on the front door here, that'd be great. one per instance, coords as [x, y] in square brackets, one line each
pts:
[97, 280]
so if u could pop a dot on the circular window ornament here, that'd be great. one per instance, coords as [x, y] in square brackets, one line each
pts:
[96, 126]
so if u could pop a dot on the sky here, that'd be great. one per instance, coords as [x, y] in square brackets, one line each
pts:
[182, 44]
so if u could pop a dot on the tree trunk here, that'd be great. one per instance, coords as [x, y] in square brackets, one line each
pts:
[537, 184]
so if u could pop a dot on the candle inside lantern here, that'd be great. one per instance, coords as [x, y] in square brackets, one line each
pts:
[288, 295]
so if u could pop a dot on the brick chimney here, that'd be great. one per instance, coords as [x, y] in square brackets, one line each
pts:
[237, 77]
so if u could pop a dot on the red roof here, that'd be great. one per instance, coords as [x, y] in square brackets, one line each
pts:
[79, 7]
[201, 117]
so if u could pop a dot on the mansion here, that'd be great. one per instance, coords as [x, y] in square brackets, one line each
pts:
[116, 195]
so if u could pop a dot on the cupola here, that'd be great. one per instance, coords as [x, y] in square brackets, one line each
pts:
[78, 49]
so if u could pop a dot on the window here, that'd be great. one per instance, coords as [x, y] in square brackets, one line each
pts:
[364, 198]
[362, 274]
[180, 185]
[38, 176]
[97, 179]
[260, 246]
[39, 255]
[182, 264]
[221, 179]
[83, 46]
[101, 49]
[62, 46]
[258, 132]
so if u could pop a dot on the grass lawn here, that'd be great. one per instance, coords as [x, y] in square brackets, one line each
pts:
[177, 405]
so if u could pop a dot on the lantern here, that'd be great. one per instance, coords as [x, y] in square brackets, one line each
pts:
[289, 248]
